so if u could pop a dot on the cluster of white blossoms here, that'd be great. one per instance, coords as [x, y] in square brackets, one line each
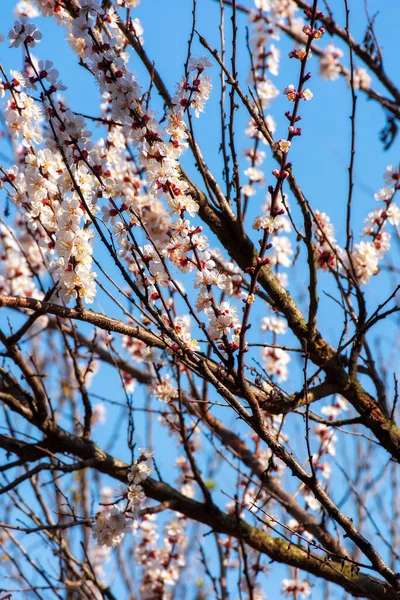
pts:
[365, 256]
[273, 221]
[26, 8]
[292, 94]
[20, 261]
[251, 500]
[113, 522]
[329, 64]
[224, 322]
[95, 170]
[139, 472]
[74, 248]
[194, 90]
[361, 79]
[280, 10]
[161, 562]
[181, 327]
[364, 259]
[281, 252]
[266, 223]
[51, 199]
[275, 362]
[252, 131]
[298, 528]
[265, 59]
[139, 352]
[330, 69]
[110, 526]
[22, 115]
[274, 324]
[185, 479]
[296, 588]
[164, 389]
[99, 416]
[24, 33]
[91, 166]
[326, 249]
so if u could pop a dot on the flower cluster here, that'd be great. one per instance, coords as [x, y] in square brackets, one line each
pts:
[139, 472]
[326, 250]
[361, 79]
[329, 65]
[365, 256]
[113, 522]
[24, 33]
[299, 529]
[292, 94]
[274, 324]
[161, 563]
[138, 351]
[164, 390]
[74, 247]
[20, 258]
[185, 479]
[302, 589]
[99, 416]
[52, 201]
[275, 362]
[363, 261]
[195, 90]
[266, 223]
[110, 526]
[21, 114]
[224, 322]
[279, 11]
